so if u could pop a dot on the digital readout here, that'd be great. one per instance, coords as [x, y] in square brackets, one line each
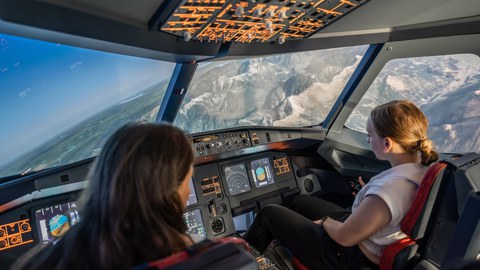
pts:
[206, 138]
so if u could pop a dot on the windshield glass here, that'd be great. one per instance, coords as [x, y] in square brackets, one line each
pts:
[288, 90]
[59, 103]
[445, 87]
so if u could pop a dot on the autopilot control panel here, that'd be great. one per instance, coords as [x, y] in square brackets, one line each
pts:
[220, 143]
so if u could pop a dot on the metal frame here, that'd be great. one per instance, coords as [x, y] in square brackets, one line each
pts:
[176, 90]
[350, 87]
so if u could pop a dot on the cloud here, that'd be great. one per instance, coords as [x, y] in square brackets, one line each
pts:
[16, 64]
[24, 93]
[72, 67]
[3, 69]
[3, 44]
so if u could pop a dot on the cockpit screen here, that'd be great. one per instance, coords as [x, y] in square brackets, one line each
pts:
[262, 172]
[192, 197]
[194, 222]
[237, 179]
[54, 221]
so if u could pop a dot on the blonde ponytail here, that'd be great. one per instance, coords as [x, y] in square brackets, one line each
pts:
[405, 123]
[428, 155]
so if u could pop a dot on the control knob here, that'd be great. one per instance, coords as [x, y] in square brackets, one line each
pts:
[222, 208]
[210, 145]
[25, 227]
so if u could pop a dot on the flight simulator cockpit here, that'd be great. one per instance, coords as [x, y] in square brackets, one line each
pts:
[273, 95]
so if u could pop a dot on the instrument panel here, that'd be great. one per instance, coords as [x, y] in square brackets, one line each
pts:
[235, 173]
[219, 191]
[249, 21]
[37, 223]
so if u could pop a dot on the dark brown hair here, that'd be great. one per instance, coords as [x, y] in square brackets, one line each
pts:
[405, 123]
[131, 212]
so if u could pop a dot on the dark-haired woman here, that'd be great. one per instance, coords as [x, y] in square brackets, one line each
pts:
[132, 210]
[397, 132]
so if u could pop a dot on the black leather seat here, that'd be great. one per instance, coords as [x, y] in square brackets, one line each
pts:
[400, 255]
[431, 222]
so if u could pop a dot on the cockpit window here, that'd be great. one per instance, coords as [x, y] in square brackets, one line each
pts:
[288, 90]
[60, 103]
[447, 89]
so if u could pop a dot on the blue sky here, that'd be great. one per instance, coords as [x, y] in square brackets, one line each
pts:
[46, 88]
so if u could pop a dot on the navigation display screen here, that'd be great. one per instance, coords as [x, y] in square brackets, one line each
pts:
[262, 172]
[237, 179]
[192, 197]
[54, 221]
[194, 222]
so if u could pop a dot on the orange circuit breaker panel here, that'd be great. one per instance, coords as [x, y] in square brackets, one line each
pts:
[15, 234]
[252, 21]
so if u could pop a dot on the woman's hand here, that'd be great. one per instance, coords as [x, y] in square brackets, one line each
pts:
[356, 185]
[320, 221]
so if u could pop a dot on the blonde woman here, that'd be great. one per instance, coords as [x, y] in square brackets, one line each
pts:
[397, 133]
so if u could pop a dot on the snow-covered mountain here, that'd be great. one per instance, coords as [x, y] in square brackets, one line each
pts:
[300, 89]
[446, 88]
[288, 90]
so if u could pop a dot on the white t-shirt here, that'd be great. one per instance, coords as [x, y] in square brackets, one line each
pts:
[397, 187]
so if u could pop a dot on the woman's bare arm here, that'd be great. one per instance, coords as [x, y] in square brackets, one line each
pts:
[371, 215]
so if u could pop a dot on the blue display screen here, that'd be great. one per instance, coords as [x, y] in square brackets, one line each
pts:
[54, 221]
[262, 172]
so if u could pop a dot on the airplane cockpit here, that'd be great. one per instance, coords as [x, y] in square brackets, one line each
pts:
[274, 97]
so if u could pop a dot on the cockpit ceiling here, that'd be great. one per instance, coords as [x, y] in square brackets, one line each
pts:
[251, 21]
[218, 29]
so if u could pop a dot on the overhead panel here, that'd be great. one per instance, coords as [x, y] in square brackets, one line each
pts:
[254, 21]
